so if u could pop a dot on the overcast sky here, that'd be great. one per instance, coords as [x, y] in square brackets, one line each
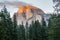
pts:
[45, 5]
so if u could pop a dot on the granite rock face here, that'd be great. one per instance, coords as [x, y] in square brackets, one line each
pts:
[28, 13]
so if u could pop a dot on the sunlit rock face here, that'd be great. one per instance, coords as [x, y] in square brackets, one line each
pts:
[28, 13]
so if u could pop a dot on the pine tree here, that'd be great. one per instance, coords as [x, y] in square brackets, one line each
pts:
[44, 34]
[14, 28]
[35, 31]
[2, 31]
[21, 32]
[6, 25]
[54, 27]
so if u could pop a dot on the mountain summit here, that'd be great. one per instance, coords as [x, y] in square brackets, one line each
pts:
[27, 8]
[28, 13]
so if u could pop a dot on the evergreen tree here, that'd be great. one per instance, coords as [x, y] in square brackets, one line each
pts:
[54, 27]
[6, 24]
[21, 32]
[2, 31]
[44, 34]
[35, 31]
[14, 28]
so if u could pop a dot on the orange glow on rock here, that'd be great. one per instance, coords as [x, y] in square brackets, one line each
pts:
[25, 8]
[21, 9]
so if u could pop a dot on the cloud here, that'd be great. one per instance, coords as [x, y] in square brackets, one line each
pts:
[12, 3]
